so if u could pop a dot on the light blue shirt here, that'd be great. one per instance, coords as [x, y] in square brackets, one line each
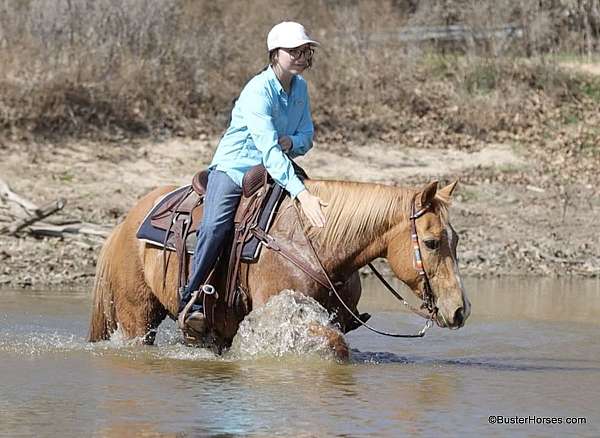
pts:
[263, 113]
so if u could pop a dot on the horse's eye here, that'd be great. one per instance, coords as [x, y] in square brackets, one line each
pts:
[432, 244]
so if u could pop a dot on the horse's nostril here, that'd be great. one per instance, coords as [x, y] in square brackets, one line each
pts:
[459, 316]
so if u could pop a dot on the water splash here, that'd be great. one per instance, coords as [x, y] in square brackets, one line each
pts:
[168, 345]
[282, 327]
[31, 344]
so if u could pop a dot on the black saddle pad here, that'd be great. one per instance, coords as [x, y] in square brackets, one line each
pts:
[156, 236]
[251, 250]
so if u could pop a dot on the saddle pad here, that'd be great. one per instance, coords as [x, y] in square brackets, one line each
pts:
[251, 250]
[156, 236]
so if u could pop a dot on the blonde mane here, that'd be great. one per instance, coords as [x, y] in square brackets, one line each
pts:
[364, 209]
[358, 209]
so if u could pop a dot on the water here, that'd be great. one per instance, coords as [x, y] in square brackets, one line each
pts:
[530, 348]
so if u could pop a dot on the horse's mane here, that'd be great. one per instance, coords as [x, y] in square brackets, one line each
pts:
[356, 208]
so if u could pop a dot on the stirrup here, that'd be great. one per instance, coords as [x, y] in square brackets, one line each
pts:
[184, 313]
[207, 289]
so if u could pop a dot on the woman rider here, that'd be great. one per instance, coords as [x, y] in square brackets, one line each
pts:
[270, 123]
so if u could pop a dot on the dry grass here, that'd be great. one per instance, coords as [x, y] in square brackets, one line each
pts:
[110, 68]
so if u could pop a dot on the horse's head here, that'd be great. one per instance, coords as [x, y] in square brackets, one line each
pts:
[436, 242]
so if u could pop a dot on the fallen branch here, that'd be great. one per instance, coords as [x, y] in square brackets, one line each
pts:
[38, 214]
[60, 221]
[50, 230]
[9, 195]
[30, 215]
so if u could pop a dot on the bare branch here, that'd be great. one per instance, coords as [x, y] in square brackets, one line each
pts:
[39, 214]
[44, 229]
[10, 196]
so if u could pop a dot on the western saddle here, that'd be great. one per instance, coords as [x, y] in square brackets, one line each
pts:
[174, 219]
[179, 216]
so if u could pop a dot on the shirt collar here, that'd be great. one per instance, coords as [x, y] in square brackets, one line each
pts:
[272, 77]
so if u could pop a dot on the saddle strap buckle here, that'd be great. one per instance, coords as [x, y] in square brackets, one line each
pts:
[208, 289]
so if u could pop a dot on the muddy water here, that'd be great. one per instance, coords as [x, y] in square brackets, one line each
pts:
[529, 353]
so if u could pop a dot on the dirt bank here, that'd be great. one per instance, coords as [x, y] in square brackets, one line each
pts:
[511, 217]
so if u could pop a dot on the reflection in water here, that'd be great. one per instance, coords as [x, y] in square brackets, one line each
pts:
[514, 298]
[530, 348]
[132, 428]
[504, 364]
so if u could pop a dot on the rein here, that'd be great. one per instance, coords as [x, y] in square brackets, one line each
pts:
[428, 298]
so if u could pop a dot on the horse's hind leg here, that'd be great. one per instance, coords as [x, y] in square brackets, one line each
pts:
[140, 314]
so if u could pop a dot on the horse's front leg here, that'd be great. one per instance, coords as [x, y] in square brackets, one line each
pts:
[335, 340]
[350, 291]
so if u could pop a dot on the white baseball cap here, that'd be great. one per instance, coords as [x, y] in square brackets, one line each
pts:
[288, 35]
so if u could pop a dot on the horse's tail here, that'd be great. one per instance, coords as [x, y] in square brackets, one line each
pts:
[103, 320]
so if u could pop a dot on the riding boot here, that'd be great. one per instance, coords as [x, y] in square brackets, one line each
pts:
[191, 319]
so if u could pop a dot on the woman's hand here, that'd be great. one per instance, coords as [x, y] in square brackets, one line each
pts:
[286, 143]
[311, 207]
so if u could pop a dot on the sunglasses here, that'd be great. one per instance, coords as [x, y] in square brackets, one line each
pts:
[308, 52]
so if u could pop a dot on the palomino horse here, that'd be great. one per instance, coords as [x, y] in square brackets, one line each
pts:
[364, 221]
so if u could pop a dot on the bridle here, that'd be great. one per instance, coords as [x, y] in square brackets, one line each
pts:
[427, 310]
[428, 297]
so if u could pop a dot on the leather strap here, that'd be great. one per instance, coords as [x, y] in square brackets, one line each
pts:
[247, 222]
[168, 232]
[180, 231]
[281, 248]
[396, 294]
[428, 298]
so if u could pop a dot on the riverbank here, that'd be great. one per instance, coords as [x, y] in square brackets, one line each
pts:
[522, 137]
[512, 216]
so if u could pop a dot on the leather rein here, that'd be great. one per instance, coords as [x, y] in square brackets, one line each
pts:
[427, 309]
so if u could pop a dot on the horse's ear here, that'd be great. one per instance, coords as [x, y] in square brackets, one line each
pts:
[428, 193]
[446, 193]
